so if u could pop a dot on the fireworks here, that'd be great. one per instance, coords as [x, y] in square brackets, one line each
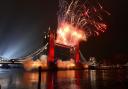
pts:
[69, 35]
[77, 21]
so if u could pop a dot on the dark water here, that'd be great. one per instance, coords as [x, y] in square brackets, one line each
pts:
[79, 79]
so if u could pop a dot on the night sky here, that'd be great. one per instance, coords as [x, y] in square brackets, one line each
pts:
[22, 23]
[115, 40]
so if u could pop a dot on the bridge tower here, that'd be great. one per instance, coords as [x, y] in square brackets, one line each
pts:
[77, 55]
[51, 47]
[51, 51]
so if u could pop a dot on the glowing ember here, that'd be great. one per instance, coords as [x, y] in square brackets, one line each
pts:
[78, 21]
[29, 64]
[69, 35]
[66, 64]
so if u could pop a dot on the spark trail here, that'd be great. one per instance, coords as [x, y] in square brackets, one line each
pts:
[79, 20]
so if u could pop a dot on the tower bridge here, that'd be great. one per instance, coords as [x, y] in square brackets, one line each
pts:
[76, 56]
[53, 60]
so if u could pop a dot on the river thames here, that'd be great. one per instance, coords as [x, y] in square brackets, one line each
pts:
[69, 79]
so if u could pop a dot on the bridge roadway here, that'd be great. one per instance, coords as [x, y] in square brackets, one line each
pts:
[20, 62]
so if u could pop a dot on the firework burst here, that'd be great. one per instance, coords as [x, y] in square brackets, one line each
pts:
[76, 17]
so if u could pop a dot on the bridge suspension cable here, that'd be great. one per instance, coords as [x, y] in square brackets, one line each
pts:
[36, 52]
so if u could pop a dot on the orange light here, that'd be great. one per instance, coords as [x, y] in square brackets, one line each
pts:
[69, 35]
[66, 64]
[29, 64]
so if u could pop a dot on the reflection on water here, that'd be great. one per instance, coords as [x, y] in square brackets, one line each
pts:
[71, 79]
